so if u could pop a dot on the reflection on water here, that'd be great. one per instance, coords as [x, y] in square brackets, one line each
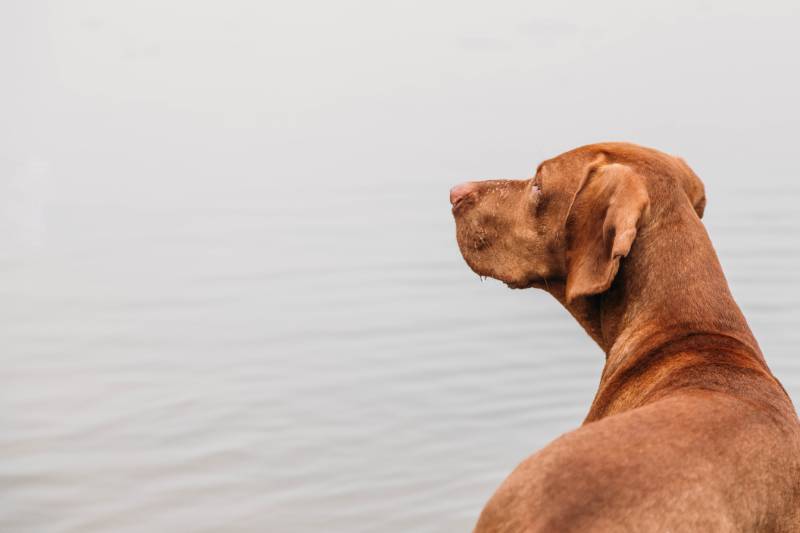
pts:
[332, 365]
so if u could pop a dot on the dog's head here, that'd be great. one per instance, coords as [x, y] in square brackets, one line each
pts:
[575, 219]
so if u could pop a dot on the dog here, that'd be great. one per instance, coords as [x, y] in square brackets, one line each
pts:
[689, 430]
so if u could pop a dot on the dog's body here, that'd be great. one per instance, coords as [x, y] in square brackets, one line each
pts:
[689, 430]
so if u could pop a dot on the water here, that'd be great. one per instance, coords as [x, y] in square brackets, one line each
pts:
[227, 311]
[187, 369]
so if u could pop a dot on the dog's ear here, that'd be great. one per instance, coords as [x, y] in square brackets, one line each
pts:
[601, 226]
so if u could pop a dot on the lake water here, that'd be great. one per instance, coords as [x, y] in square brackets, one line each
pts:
[231, 294]
[332, 367]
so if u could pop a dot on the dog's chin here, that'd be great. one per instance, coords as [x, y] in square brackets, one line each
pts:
[535, 281]
[525, 283]
[510, 281]
[532, 281]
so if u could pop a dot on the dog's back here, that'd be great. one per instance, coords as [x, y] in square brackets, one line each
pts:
[694, 460]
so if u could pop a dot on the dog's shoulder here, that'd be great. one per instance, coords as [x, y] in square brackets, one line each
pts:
[609, 475]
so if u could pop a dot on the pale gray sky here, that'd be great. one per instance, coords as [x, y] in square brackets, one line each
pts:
[116, 98]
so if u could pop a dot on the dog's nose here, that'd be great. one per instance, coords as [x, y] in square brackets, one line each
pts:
[460, 191]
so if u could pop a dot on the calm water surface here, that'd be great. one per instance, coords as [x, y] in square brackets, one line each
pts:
[331, 364]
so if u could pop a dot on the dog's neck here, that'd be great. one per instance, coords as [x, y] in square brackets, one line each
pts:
[670, 285]
[669, 297]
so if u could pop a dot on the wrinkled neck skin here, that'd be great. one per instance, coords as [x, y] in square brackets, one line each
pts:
[669, 288]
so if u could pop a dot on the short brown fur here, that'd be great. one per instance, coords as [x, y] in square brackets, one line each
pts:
[689, 430]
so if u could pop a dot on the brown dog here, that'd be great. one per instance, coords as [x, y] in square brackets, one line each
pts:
[689, 430]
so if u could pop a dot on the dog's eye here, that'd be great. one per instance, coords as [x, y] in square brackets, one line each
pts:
[535, 189]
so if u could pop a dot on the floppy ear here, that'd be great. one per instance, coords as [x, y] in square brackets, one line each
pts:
[601, 227]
